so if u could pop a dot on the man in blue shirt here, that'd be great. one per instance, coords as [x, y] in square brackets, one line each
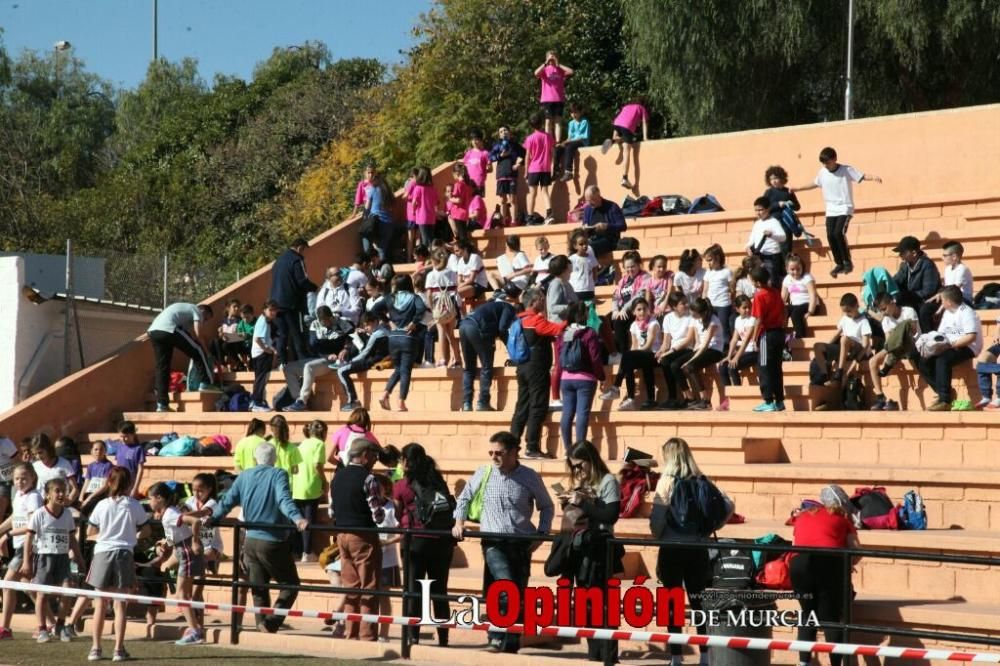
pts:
[263, 493]
[603, 221]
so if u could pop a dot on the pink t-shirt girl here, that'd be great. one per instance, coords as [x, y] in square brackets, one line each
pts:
[476, 161]
[553, 84]
[407, 192]
[424, 200]
[346, 434]
[539, 146]
[460, 210]
[477, 211]
[359, 194]
[630, 116]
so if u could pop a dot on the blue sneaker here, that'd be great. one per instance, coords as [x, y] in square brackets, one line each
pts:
[765, 407]
[779, 406]
[190, 637]
[297, 406]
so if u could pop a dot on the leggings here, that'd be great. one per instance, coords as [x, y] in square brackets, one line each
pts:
[818, 580]
[623, 337]
[633, 360]
[308, 509]
[708, 359]
[688, 567]
[731, 373]
[672, 374]
[797, 313]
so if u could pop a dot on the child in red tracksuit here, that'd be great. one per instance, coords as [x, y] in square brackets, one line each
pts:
[768, 309]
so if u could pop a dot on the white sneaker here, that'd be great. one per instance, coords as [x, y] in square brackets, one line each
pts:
[260, 408]
[611, 394]
[426, 365]
[628, 405]
[555, 405]
[982, 403]
[614, 359]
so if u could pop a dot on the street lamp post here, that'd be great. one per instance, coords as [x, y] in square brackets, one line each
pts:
[848, 101]
[156, 54]
[59, 48]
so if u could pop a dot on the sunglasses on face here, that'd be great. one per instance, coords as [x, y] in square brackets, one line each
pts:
[576, 467]
[495, 454]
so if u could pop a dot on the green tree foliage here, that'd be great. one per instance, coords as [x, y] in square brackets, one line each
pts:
[718, 65]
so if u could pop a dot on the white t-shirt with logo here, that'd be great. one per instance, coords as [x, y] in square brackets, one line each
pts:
[582, 276]
[653, 331]
[702, 332]
[24, 505]
[117, 520]
[838, 192]
[441, 280]
[743, 328]
[962, 322]
[690, 285]
[61, 470]
[798, 291]
[174, 527]
[855, 329]
[474, 264]
[541, 267]
[718, 281]
[52, 533]
[959, 276]
[906, 313]
[677, 327]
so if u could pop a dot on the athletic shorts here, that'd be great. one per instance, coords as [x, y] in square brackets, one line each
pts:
[112, 569]
[506, 186]
[542, 178]
[189, 565]
[51, 569]
[553, 109]
[627, 136]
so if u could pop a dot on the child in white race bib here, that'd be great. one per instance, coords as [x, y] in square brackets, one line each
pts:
[25, 502]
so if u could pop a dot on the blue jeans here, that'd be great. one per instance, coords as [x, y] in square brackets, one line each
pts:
[476, 348]
[403, 350]
[577, 397]
[386, 233]
[508, 560]
[985, 373]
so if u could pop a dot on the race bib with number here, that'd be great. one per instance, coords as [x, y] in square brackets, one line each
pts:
[18, 523]
[95, 484]
[6, 473]
[53, 543]
[208, 537]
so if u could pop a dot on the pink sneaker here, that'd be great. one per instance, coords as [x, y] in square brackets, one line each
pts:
[6, 634]
[723, 406]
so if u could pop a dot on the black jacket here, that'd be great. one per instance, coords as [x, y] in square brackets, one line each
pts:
[922, 279]
[494, 319]
[289, 281]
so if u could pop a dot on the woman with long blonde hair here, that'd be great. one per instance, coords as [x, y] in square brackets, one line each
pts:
[678, 566]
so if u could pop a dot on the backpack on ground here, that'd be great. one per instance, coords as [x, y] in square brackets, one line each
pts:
[872, 502]
[534, 220]
[182, 446]
[733, 569]
[626, 243]
[434, 507]
[697, 506]
[912, 514]
[632, 207]
[674, 204]
[652, 208]
[706, 203]
[775, 575]
[571, 355]
[517, 345]
[854, 398]
[988, 297]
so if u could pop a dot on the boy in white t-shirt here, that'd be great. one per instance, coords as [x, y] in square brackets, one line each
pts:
[836, 181]
[262, 352]
[900, 325]
[955, 273]
[961, 327]
[541, 265]
[584, 265]
[852, 341]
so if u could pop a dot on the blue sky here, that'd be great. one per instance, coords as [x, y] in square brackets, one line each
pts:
[114, 37]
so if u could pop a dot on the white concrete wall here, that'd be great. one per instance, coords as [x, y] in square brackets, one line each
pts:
[31, 336]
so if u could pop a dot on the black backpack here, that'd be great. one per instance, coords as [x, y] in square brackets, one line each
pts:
[434, 508]
[571, 356]
[697, 507]
[534, 220]
[988, 296]
[733, 569]
[854, 398]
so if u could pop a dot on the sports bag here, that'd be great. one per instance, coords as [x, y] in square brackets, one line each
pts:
[706, 204]
[632, 207]
[775, 574]
[697, 507]
[182, 446]
[571, 355]
[517, 345]
[674, 204]
[733, 569]
[988, 296]
[912, 514]
[635, 481]
[872, 502]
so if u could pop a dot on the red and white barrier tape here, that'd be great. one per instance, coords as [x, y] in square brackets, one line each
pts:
[733, 642]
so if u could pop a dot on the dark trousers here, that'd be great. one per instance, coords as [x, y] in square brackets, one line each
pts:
[164, 345]
[567, 154]
[836, 238]
[266, 561]
[506, 560]
[403, 350]
[532, 403]
[726, 315]
[426, 234]
[775, 265]
[687, 567]
[936, 370]
[623, 337]
[344, 373]
[797, 313]
[288, 336]
[430, 558]
[308, 510]
[228, 352]
[772, 379]
[644, 361]
[671, 364]
[818, 581]
[476, 350]
[602, 244]
[261, 371]
[598, 576]
[731, 372]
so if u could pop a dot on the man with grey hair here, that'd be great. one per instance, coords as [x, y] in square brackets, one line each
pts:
[263, 493]
[533, 374]
[603, 221]
[356, 501]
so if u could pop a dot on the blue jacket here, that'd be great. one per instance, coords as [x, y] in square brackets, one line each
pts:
[494, 319]
[405, 308]
[264, 494]
[874, 281]
[613, 216]
[289, 281]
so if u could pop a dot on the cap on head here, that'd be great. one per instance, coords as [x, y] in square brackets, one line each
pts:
[907, 244]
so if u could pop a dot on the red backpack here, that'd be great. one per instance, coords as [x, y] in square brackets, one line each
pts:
[635, 482]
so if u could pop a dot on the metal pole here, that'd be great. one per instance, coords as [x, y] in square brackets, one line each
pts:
[235, 619]
[848, 101]
[156, 54]
[68, 287]
[164, 280]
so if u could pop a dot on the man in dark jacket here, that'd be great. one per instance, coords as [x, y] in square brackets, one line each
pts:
[478, 334]
[603, 220]
[918, 279]
[289, 285]
[533, 374]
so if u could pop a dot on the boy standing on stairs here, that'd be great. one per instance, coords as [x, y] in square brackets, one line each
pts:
[769, 312]
[836, 182]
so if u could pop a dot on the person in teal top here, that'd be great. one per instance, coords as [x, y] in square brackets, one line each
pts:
[578, 136]
[309, 481]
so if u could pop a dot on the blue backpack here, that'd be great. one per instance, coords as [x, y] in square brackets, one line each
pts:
[239, 402]
[571, 354]
[697, 507]
[912, 515]
[790, 221]
[705, 204]
[517, 345]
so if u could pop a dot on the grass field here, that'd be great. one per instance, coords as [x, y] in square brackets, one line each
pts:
[23, 650]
